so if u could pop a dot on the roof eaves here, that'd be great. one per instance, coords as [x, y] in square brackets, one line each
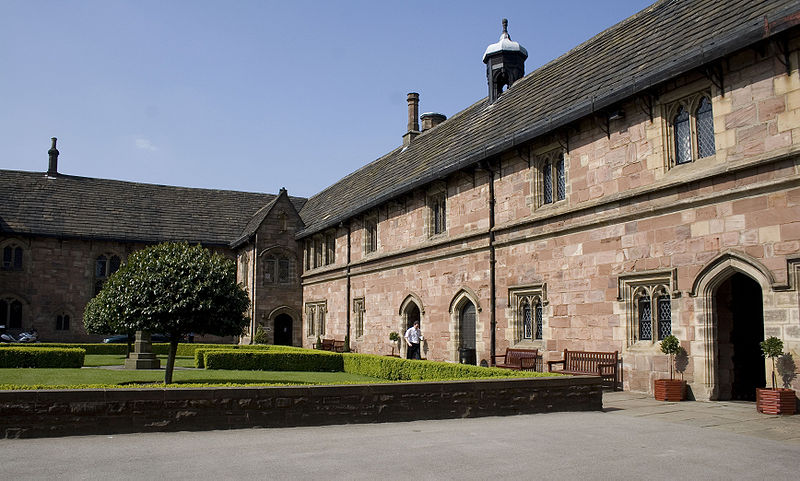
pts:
[705, 53]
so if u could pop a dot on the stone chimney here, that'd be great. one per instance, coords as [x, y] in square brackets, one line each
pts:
[413, 115]
[431, 120]
[52, 168]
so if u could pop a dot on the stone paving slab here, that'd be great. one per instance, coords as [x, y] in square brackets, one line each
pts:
[732, 416]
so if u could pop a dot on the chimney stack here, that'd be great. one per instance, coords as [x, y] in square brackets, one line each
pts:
[413, 115]
[52, 168]
[431, 120]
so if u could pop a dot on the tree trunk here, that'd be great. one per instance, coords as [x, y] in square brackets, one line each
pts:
[173, 350]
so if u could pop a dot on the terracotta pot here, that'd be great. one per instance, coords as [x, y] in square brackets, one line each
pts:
[776, 401]
[669, 389]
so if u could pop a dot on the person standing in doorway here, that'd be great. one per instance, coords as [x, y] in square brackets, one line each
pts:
[413, 337]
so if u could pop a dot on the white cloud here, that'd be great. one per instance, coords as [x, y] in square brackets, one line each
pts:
[145, 144]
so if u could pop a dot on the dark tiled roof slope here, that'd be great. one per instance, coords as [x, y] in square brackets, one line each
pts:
[664, 40]
[69, 206]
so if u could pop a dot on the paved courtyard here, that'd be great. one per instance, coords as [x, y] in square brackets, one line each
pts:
[635, 438]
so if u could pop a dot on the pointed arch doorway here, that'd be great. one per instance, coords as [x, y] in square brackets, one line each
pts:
[411, 313]
[739, 312]
[283, 330]
[734, 302]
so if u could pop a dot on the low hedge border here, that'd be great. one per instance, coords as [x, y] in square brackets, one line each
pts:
[396, 369]
[199, 353]
[274, 360]
[381, 367]
[41, 357]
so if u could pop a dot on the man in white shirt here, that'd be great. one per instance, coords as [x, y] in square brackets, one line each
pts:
[413, 337]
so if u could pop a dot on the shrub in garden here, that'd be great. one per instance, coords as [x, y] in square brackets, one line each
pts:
[41, 357]
[251, 360]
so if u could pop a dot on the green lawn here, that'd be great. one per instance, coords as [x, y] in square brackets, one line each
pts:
[125, 377]
[82, 377]
[119, 360]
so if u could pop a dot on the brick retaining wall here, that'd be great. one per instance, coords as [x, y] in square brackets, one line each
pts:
[81, 412]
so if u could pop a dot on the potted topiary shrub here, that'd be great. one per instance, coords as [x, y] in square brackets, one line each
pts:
[394, 338]
[777, 400]
[670, 389]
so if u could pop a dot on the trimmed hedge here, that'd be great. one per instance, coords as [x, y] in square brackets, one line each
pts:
[256, 360]
[49, 357]
[199, 354]
[396, 369]
[281, 358]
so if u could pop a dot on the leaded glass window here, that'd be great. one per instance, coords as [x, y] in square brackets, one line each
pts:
[330, 248]
[539, 320]
[561, 181]
[104, 266]
[527, 328]
[269, 270]
[645, 319]
[12, 258]
[547, 183]
[528, 314]
[283, 270]
[437, 204]
[683, 137]
[370, 235]
[664, 317]
[318, 252]
[358, 316]
[705, 129]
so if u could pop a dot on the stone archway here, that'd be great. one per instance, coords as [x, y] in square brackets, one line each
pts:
[712, 351]
[283, 330]
[411, 311]
[465, 325]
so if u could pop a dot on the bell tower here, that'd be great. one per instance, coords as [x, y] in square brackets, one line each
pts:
[505, 63]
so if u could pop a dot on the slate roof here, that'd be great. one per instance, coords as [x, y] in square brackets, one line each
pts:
[665, 40]
[81, 207]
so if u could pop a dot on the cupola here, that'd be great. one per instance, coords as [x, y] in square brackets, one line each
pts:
[505, 63]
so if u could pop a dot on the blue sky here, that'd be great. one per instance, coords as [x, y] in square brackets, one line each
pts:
[251, 95]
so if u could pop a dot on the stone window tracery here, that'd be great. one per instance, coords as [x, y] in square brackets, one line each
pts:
[370, 234]
[649, 307]
[12, 258]
[62, 322]
[358, 316]
[104, 266]
[550, 178]
[437, 212]
[528, 311]
[315, 318]
[690, 129]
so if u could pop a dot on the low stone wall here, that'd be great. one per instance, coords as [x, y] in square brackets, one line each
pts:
[81, 412]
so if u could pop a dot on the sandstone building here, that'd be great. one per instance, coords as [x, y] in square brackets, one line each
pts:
[645, 183]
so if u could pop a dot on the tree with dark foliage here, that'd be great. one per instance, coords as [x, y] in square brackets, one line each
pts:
[172, 288]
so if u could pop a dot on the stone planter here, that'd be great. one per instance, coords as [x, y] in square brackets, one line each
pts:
[776, 401]
[669, 389]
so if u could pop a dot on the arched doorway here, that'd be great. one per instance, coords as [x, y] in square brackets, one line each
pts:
[740, 328]
[411, 313]
[466, 334]
[283, 330]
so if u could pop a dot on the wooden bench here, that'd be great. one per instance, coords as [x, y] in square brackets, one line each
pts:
[338, 346]
[327, 344]
[603, 364]
[519, 359]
